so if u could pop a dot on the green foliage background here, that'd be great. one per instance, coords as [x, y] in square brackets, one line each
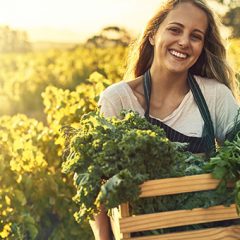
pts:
[39, 93]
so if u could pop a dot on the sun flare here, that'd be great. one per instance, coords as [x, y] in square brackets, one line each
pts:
[66, 19]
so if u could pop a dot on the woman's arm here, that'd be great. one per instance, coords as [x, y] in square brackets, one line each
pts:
[101, 226]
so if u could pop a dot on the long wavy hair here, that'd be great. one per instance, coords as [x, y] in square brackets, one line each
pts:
[211, 63]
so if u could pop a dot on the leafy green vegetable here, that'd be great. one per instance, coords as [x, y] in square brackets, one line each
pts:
[111, 157]
[226, 166]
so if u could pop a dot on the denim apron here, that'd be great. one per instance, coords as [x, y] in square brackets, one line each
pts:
[203, 144]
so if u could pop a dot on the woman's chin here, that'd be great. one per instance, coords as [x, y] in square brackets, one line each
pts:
[175, 69]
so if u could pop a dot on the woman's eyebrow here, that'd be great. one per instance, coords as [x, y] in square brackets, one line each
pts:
[181, 25]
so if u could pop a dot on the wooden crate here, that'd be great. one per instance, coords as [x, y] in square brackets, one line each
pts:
[123, 224]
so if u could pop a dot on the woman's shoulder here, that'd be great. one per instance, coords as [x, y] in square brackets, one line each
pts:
[204, 81]
[212, 88]
[116, 97]
[123, 87]
[110, 101]
[222, 105]
[124, 91]
[116, 90]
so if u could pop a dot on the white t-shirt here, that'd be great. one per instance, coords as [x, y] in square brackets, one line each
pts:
[186, 119]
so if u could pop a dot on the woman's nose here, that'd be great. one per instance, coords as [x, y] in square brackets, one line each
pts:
[183, 41]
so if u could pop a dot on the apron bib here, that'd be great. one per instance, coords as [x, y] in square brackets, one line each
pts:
[204, 144]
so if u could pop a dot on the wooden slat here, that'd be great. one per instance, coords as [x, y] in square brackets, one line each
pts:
[227, 233]
[177, 218]
[114, 220]
[124, 212]
[116, 215]
[169, 186]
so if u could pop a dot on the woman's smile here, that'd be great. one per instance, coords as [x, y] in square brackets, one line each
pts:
[178, 54]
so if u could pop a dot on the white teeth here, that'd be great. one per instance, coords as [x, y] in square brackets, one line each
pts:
[178, 54]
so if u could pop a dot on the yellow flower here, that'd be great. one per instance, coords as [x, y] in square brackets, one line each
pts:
[6, 231]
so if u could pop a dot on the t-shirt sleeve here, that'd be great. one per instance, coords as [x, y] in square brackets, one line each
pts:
[109, 103]
[226, 112]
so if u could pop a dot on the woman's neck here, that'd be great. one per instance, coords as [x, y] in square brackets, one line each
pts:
[168, 84]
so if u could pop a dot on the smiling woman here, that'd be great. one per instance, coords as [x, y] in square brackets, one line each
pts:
[178, 79]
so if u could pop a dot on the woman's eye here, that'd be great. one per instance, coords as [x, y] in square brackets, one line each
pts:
[175, 30]
[196, 37]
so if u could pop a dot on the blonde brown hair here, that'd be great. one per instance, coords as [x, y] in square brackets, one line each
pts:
[212, 62]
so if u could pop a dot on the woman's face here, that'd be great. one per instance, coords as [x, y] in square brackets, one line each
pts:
[179, 40]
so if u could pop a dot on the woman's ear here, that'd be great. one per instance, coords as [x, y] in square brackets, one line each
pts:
[151, 39]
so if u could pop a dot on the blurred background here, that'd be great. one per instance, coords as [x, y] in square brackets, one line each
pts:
[55, 58]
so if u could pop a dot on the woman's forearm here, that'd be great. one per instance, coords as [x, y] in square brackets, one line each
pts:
[101, 226]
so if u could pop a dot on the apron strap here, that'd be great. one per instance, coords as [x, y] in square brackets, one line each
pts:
[147, 90]
[208, 130]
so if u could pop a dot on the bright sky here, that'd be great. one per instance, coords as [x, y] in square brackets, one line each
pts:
[74, 20]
